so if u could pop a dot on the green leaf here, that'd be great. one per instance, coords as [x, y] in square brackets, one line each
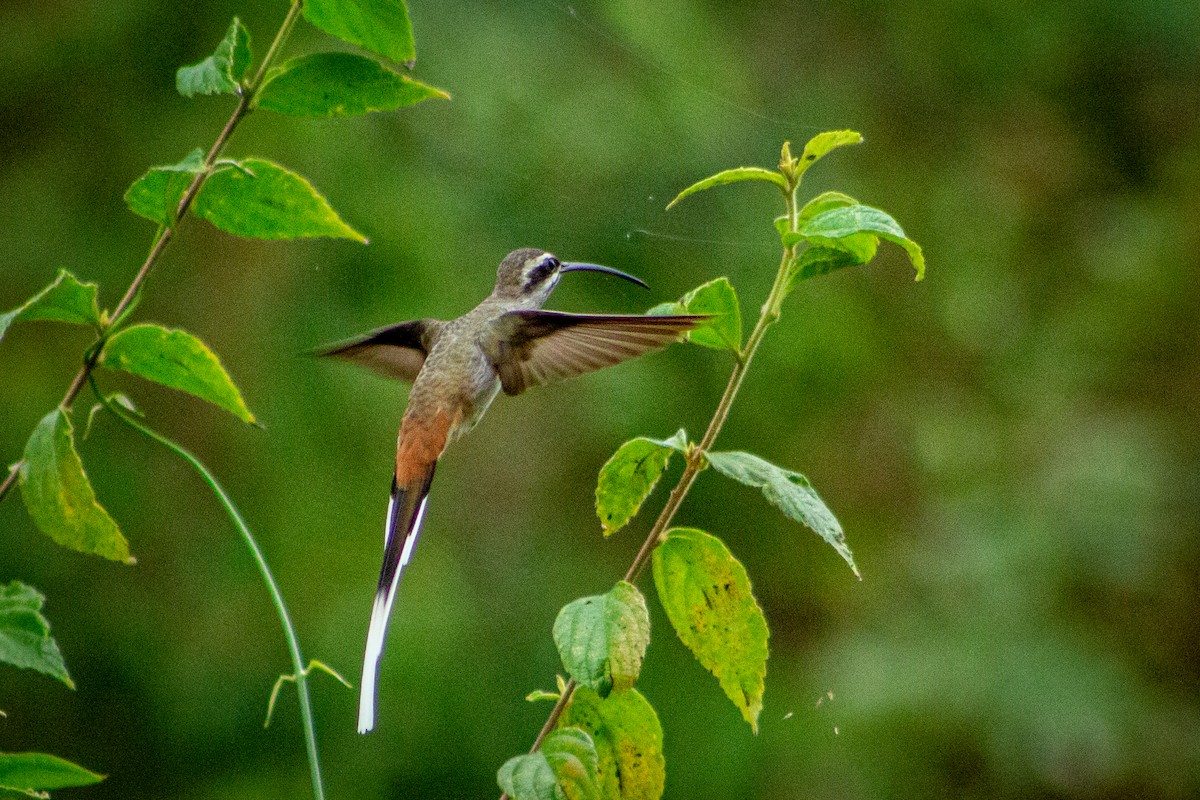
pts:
[628, 478]
[59, 496]
[381, 26]
[563, 769]
[707, 597]
[537, 695]
[628, 740]
[25, 639]
[823, 143]
[156, 194]
[733, 176]
[30, 772]
[603, 638]
[790, 492]
[220, 72]
[340, 85]
[261, 200]
[816, 261]
[65, 300]
[830, 227]
[718, 299]
[177, 359]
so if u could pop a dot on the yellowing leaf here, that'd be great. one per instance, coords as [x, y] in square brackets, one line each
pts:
[59, 496]
[707, 597]
[628, 740]
[628, 478]
[563, 769]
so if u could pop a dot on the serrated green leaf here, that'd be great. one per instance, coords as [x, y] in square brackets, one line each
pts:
[339, 85]
[177, 359]
[25, 639]
[65, 300]
[220, 72]
[733, 176]
[156, 194]
[262, 200]
[628, 478]
[707, 597]
[38, 772]
[628, 739]
[816, 261]
[831, 227]
[59, 496]
[788, 491]
[823, 143]
[718, 299]
[603, 638]
[563, 769]
[381, 26]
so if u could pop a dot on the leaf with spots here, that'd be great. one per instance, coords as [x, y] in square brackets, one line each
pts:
[628, 478]
[602, 639]
[707, 597]
[628, 739]
[564, 768]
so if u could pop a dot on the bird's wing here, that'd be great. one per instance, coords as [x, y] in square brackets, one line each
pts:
[396, 351]
[531, 348]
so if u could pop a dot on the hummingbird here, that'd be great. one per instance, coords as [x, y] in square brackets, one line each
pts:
[457, 367]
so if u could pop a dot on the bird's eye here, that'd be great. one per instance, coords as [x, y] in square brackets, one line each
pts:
[541, 272]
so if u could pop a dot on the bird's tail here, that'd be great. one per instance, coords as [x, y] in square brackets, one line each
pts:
[406, 511]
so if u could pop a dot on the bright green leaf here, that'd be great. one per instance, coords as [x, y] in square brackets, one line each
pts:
[628, 740]
[25, 639]
[718, 299]
[628, 478]
[603, 638]
[156, 194]
[828, 227]
[733, 176]
[564, 768]
[790, 492]
[381, 26]
[65, 300]
[220, 72]
[823, 202]
[822, 143]
[59, 496]
[537, 695]
[30, 772]
[707, 597]
[262, 200]
[340, 85]
[177, 359]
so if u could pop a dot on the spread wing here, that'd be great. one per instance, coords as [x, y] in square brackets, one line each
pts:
[396, 351]
[536, 347]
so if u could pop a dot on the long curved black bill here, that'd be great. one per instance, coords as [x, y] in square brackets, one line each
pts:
[573, 266]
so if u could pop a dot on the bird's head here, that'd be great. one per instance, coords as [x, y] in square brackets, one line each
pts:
[529, 276]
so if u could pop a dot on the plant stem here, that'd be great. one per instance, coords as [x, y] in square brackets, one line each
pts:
[289, 631]
[695, 457]
[166, 233]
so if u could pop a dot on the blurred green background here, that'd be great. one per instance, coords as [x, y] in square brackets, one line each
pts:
[1012, 445]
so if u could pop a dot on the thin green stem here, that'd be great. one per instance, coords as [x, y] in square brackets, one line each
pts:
[300, 673]
[695, 458]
